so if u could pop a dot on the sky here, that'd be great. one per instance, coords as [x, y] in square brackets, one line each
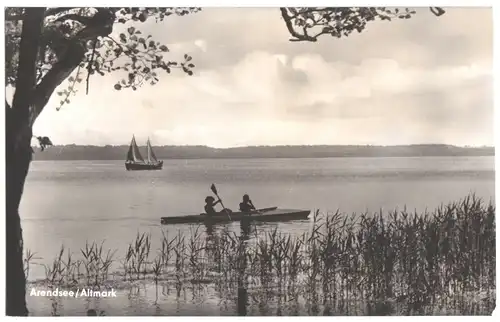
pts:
[417, 81]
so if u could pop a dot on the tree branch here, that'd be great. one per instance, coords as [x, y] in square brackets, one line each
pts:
[57, 10]
[14, 18]
[18, 128]
[89, 67]
[48, 12]
[75, 17]
[302, 23]
[291, 30]
[73, 56]
[55, 76]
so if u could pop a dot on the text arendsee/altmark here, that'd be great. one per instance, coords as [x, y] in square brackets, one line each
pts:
[84, 292]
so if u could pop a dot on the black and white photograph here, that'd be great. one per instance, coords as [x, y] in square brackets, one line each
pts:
[249, 161]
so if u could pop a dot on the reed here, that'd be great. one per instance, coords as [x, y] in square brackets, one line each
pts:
[417, 260]
[96, 263]
[28, 259]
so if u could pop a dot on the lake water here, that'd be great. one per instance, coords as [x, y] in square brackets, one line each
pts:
[71, 202]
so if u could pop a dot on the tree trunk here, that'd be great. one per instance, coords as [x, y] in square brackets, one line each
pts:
[29, 100]
[17, 165]
[18, 157]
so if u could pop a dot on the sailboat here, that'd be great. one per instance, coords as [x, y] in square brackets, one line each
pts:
[135, 161]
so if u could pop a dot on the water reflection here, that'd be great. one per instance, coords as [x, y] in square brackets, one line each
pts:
[249, 302]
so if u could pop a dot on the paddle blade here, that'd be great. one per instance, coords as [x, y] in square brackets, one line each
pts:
[214, 190]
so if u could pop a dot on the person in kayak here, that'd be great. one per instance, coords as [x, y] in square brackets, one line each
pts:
[246, 205]
[210, 204]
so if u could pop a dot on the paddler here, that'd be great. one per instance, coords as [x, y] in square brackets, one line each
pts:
[210, 204]
[246, 205]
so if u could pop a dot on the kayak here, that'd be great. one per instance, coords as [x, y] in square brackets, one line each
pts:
[264, 215]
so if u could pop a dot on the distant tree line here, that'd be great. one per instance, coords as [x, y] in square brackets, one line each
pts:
[89, 152]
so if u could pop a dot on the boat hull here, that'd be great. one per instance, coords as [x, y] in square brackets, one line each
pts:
[266, 215]
[143, 166]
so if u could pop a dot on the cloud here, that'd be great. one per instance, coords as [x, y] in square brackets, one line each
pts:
[423, 80]
[202, 44]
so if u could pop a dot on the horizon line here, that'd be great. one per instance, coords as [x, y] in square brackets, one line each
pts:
[288, 145]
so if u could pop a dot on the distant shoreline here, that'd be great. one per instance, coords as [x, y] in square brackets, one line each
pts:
[90, 152]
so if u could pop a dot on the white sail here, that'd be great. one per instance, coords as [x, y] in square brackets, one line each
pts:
[133, 152]
[151, 154]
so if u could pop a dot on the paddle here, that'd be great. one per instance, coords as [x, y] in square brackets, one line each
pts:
[255, 209]
[214, 190]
